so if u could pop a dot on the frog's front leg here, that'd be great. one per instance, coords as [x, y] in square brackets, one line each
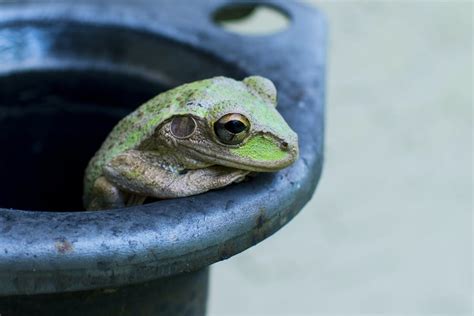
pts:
[142, 173]
[105, 195]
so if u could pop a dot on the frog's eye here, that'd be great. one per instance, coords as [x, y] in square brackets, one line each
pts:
[183, 126]
[232, 128]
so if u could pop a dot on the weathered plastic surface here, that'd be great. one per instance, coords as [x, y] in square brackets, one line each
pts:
[159, 44]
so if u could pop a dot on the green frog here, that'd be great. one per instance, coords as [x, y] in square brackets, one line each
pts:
[194, 138]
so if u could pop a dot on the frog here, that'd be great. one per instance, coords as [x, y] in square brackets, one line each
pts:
[199, 136]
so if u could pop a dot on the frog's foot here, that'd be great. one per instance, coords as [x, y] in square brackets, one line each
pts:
[214, 177]
[105, 196]
[139, 173]
[199, 181]
[135, 199]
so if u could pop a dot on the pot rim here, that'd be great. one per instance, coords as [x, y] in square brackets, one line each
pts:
[49, 252]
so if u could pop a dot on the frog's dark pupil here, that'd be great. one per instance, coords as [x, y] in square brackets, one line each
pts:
[235, 126]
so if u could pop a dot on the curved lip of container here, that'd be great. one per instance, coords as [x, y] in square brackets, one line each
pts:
[49, 252]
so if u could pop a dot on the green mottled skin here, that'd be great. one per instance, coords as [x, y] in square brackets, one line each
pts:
[207, 99]
[260, 147]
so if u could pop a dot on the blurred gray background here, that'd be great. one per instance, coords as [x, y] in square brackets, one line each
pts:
[389, 228]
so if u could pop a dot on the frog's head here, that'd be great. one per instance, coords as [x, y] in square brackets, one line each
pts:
[236, 124]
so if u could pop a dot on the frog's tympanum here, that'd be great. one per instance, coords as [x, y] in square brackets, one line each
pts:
[194, 138]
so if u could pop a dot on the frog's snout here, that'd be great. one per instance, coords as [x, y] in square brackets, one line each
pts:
[267, 153]
[292, 152]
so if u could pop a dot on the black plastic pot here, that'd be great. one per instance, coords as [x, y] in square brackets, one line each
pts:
[68, 72]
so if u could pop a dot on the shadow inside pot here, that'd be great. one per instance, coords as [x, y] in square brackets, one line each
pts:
[63, 88]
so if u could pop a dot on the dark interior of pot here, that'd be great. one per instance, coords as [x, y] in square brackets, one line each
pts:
[51, 123]
[62, 89]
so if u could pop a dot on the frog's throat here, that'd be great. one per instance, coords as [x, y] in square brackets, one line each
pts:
[239, 163]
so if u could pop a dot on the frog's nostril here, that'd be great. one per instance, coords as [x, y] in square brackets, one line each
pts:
[284, 145]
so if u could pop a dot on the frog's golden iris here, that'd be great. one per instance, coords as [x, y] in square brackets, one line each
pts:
[232, 128]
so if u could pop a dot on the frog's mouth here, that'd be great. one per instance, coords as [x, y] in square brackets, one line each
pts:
[232, 160]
